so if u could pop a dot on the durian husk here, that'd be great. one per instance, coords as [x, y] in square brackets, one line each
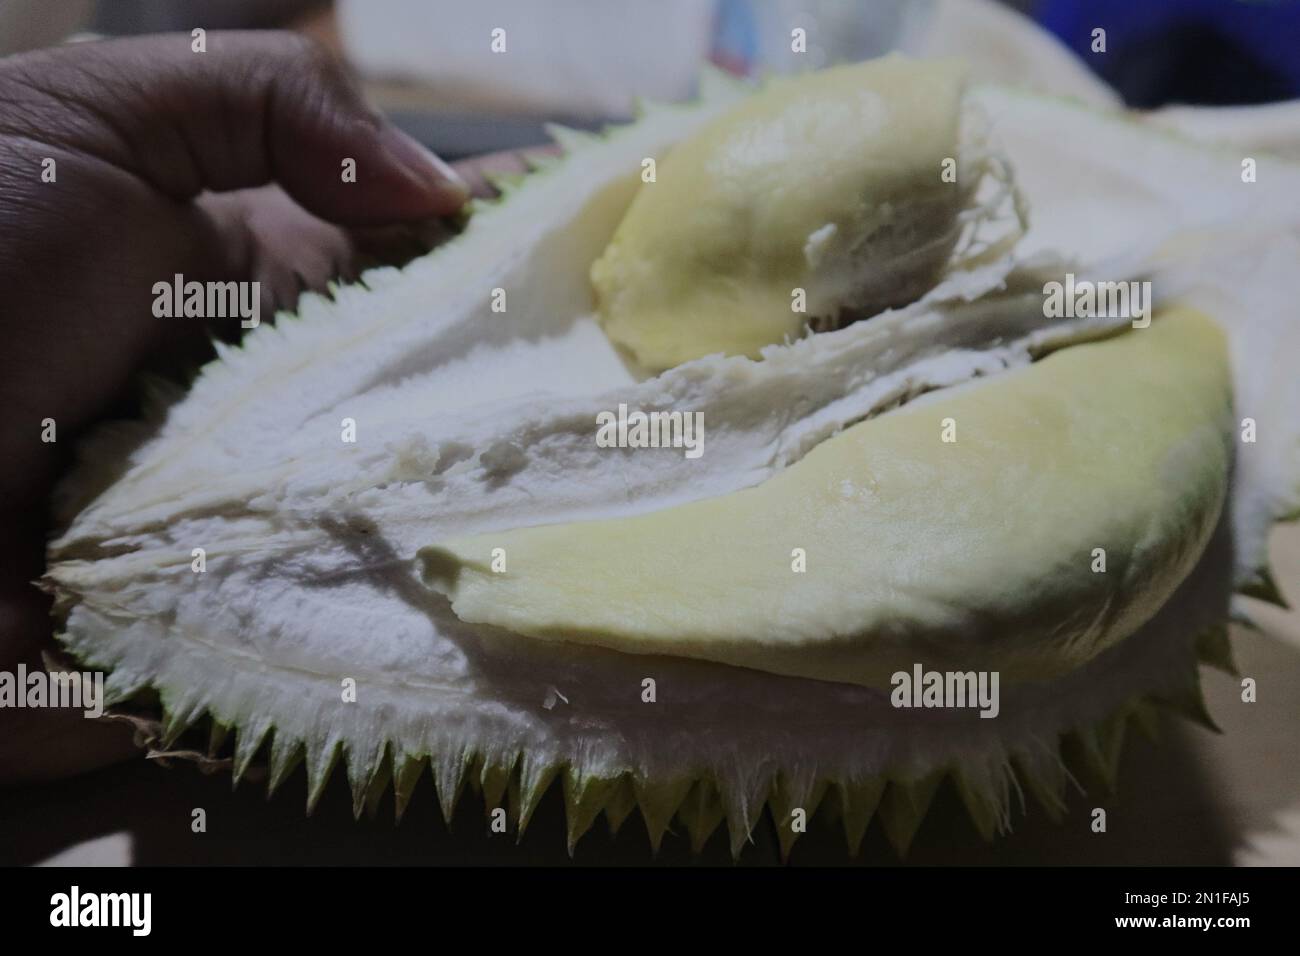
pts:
[1084, 759]
[692, 805]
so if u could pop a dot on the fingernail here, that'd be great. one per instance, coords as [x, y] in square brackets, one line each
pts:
[423, 164]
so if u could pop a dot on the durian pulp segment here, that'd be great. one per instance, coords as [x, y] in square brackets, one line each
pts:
[958, 532]
[831, 183]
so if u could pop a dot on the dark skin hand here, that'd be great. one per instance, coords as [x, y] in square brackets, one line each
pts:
[221, 165]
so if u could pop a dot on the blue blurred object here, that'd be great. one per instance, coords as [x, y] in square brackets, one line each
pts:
[735, 37]
[753, 37]
[1216, 52]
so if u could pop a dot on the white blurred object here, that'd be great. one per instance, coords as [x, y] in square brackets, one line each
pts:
[111, 850]
[1278, 845]
[1002, 46]
[29, 24]
[572, 57]
[1272, 128]
[834, 31]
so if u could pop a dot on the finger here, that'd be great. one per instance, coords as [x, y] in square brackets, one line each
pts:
[289, 248]
[253, 108]
[478, 172]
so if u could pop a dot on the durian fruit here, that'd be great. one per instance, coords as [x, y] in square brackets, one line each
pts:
[272, 554]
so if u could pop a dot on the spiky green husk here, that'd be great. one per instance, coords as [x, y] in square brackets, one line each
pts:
[1083, 759]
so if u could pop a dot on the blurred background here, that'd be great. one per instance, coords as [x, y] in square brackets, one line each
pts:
[429, 63]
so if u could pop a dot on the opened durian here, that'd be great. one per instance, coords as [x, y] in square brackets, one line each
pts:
[400, 486]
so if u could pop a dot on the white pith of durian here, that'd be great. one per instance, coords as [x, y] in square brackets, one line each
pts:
[299, 592]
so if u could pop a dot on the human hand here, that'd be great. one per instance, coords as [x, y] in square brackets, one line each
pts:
[219, 165]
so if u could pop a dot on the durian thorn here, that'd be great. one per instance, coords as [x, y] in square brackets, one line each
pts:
[377, 785]
[249, 738]
[569, 139]
[449, 777]
[786, 797]
[286, 754]
[904, 806]
[659, 803]
[987, 802]
[859, 800]
[503, 182]
[217, 735]
[529, 784]
[1084, 750]
[743, 798]
[1044, 775]
[177, 720]
[409, 770]
[1214, 648]
[1264, 588]
[1146, 715]
[1240, 616]
[622, 802]
[320, 767]
[539, 160]
[701, 813]
[494, 779]
[1189, 701]
[1110, 735]
[584, 798]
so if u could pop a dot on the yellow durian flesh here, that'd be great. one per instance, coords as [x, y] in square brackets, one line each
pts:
[832, 183]
[979, 552]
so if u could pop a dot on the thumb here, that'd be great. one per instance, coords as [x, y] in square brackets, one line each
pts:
[251, 108]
